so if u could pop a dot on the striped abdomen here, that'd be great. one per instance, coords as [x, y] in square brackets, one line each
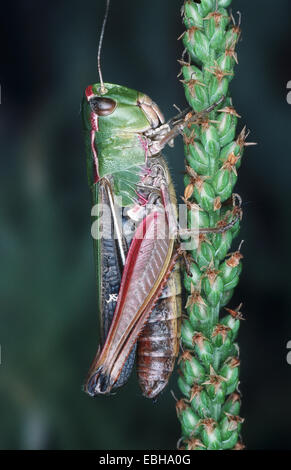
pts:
[158, 345]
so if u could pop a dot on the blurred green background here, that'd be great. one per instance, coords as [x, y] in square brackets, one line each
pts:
[49, 328]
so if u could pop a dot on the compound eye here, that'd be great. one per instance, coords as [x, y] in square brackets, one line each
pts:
[102, 106]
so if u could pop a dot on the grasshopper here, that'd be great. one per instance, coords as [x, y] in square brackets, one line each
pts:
[137, 266]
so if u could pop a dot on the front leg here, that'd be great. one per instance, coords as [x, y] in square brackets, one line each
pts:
[164, 135]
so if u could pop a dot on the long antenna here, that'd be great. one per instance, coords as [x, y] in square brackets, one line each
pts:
[102, 87]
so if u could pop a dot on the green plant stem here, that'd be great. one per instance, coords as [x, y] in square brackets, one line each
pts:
[209, 364]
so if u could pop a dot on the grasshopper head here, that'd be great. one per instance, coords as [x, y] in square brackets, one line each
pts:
[120, 109]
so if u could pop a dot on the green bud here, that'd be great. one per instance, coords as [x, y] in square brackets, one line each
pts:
[222, 243]
[192, 16]
[198, 313]
[232, 148]
[224, 3]
[213, 290]
[210, 141]
[230, 443]
[203, 349]
[226, 297]
[223, 183]
[187, 333]
[230, 271]
[204, 255]
[205, 196]
[226, 128]
[198, 218]
[195, 277]
[216, 389]
[196, 96]
[217, 88]
[232, 37]
[215, 29]
[211, 435]
[189, 421]
[228, 425]
[233, 324]
[200, 402]
[230, 371]
[207, 6]
[226, 63]
[192, 369]
[232, 404]
[184, 387]
[198, 158]
[201, 46]
[221, 336]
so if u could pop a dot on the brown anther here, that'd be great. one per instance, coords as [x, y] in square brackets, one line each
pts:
[217, 204]
[189, 140]
[236, 27]
[233, 362]
[188, 193]
[191, 83]
[209, 424]
[239, 446]
[188, 260]
[211, 273]
[221, 330]
[215, 380]
[195, 391]
[236, 313]
[191, 205]
[234, 397]
[192, 173]
[236, 30]
[191, 32]
[199, 339]
[181, 406]
[205, 123]
[234, 259]
[241, 140]
[196, 180]
[185, 356]
[216, 16]
[229, 110]
[230, 163]
[230, 52]
[199, 182]
[188, 117]
[222, 223]
[218, 72]
[233, 421]
[194, 444]
[202, 239]
[195, 297]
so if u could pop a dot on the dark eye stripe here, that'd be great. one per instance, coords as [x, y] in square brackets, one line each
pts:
[102, 106]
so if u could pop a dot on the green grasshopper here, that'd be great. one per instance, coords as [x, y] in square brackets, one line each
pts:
[137, 267]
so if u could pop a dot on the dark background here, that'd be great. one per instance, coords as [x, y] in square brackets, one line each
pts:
[48, 330]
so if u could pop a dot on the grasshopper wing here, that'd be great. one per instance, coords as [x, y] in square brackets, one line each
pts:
[109, 253]
[143, 278]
